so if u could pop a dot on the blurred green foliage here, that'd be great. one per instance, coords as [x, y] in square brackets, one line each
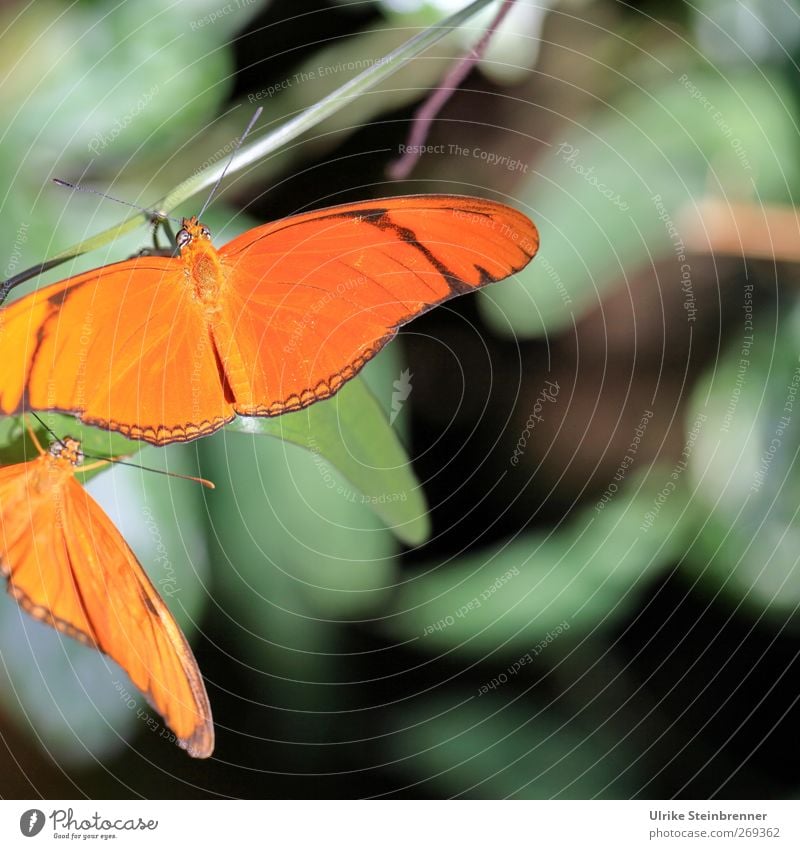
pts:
[746, 492]
[608, 191]
[585, 572]
[362, 658]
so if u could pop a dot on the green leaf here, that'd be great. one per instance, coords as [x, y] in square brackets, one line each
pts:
[295, 552]
[488, 747]
[556, 586]
[608, 200]
[746, 470]
[352, 432]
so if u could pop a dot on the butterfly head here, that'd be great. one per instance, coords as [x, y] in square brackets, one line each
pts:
[67, 449]
[192, 231]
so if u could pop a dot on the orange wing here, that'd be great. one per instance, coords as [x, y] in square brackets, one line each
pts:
[313, 297]
[68, 566]
[124, 347]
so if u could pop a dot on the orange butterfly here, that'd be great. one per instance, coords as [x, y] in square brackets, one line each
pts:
[67, 565]
[168, 349]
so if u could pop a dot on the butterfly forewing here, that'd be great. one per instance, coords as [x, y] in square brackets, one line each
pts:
[314, 297]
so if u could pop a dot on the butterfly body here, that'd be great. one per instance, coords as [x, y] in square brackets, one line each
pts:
[168, 349]
[203, 268]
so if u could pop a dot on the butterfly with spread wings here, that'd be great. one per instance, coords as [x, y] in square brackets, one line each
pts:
[169, 349]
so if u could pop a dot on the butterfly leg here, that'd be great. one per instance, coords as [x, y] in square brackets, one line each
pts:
[34, 438]
[163, 223]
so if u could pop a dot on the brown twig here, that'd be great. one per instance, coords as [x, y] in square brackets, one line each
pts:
[758, 231]
[426, 114]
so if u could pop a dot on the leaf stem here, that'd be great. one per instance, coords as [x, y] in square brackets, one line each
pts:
[257, 150]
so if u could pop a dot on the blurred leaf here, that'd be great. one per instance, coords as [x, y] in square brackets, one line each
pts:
[163, 521]
[607, 200]
[109, 93]
[760, 30]
[98, 81]
[586, 573]
[283, 511]
[488, 748]
[69, 694]
[353, 434]
[746, 471]
[296, 555]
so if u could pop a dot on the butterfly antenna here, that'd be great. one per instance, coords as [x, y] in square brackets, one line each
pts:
[238, 144]
[47, 427]
[206, 483]
[151, 214]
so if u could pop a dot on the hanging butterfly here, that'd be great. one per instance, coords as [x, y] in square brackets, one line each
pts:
[168, 349]
[68, 566]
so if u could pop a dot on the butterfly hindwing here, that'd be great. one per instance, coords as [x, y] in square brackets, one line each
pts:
[132, 624]
[68, 566]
